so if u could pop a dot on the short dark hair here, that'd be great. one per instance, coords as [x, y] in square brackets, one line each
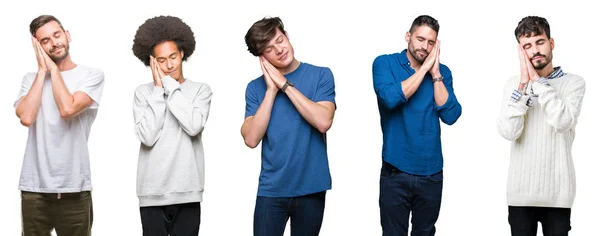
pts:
[162, 29]
[532, 26]
[261, 32]
[40, 21]
[427, 21]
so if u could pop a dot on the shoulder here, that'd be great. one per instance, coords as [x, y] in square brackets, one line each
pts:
[144, 89]
[316, 68]
[29, 76]
[574, 78]
[91, 71]
[512, 81]
[199, 86]
[385, 58]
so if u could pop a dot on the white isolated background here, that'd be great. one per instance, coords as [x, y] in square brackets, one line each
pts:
[478, 45]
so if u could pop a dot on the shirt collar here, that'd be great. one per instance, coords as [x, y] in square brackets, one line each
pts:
[557, 73]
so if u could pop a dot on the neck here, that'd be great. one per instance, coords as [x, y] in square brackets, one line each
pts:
[180, 77]
[66, 64]
[413, 62]
[546, 71]
[289, 69]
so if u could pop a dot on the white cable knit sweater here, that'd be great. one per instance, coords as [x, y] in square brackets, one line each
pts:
[541, 171]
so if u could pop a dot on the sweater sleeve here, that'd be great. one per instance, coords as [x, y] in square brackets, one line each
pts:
[512, 113]
[191, 114]
[149, 110]
[561, 111]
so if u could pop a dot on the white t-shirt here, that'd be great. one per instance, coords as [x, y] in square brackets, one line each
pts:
[56, 155]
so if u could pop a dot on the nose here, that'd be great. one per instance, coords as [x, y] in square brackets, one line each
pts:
[278, 49]
[53, 42]
[170, 64]
[534, 49]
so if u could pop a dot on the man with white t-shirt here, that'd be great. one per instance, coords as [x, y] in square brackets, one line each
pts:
[58, 104]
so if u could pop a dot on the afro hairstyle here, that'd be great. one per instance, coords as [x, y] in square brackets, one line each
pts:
[161, 29]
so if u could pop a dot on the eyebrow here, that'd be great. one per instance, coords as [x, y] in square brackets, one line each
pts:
[167, 56]
[44, 38]
[276, 39]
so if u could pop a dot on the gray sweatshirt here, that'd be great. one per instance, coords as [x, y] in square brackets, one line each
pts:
[169, 123]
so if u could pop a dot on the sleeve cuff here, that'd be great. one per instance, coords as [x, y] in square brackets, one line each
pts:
[169, 84]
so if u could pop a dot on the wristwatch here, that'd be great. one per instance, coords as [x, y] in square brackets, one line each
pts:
[441, 78]
[287, 84]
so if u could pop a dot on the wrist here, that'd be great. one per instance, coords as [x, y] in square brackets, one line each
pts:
[271, 92]
[436, 74]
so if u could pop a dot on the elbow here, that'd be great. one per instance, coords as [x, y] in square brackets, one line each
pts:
[506, 134]
[67, 113]
[26, 121]
[391, 104]
[324, 126]
[510, 137]
[251, 143]
[562, 127]
[194, 131]
[147, 141]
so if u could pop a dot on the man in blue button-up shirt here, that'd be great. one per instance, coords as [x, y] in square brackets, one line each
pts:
[414, 92]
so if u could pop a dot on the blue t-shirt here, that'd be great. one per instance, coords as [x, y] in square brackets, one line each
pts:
[411, 127]
[294, 153]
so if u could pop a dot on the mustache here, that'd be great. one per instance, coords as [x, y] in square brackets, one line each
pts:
[538, 55]
[56, 48]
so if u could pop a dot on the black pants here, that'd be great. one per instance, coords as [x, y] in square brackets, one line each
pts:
[174, 220]
[524, 220]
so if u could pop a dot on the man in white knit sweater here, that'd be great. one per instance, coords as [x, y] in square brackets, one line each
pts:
[170, 114]
[539, 114]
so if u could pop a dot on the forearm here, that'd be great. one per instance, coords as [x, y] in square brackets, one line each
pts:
[440, 93]
[254, 127]
[410, 85]
[191, 115]
[29, 105]
[511, 121]
[149, 114]
[62, 96]
[561, 112]
[317, 115]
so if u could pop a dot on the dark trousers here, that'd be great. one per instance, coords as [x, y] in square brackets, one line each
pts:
[69, 214]
[524, 220]
[401, 193]
[174, 220]
[305, 212]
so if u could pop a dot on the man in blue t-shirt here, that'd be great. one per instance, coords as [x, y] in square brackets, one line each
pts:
[289, 108]
[414, 92]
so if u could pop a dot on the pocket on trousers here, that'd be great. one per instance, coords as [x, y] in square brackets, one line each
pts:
[436, 178]
[388, 171]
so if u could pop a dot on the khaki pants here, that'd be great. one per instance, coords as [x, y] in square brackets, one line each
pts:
[70, 214]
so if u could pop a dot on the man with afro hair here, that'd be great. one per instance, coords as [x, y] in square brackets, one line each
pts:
[289, 108]
[169, 116]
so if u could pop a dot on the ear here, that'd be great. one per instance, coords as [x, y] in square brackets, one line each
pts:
[182, 54]
[407, 37]
[68, 36]
[552, 43]
[287, 35]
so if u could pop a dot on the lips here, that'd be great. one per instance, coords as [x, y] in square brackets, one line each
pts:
[284, 56]
[57, 49]
[538, 58]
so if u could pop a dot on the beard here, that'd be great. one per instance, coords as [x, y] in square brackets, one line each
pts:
[59, 57]
[540, 64]
[416, 56]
